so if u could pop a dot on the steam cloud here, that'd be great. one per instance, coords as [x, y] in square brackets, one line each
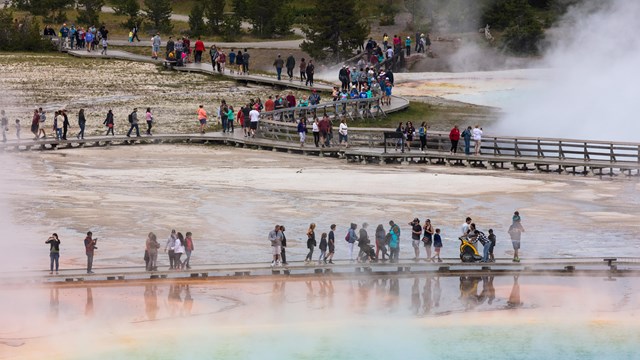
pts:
[592, 93]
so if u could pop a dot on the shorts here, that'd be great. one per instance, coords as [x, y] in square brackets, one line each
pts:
[344, 138]
[277, 249]
[156, 48]
[387, 92]
[323, 134]
[492, 246]
[427, 241]
[203, 121]
[516, 244]
[416, 244]
[254, 125]
[437, 244]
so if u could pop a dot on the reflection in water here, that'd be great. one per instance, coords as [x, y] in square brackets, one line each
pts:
[151, 301]
[514, 298]
[54, 303]
[88, 308]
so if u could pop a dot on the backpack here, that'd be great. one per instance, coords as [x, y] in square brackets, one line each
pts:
[348, 237]
[131, 118]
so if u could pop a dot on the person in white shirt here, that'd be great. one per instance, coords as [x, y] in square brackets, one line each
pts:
[343, 133]
[465, 227]
[254, 115]
[477, 137]
[178, 250]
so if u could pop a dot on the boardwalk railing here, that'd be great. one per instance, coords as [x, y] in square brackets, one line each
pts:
[492, 146]
[350, 109]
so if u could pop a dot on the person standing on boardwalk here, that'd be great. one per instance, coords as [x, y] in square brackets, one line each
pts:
[311, 69]
[35, 123]
[283, 253]
[454, 137]
[18, 129]
[351, 239]
[199, 47]
[4, 124]
[343, 133]
[303, 70]
[477, 138]
[89, 248]
[168, 248]
[291, 64]
[178, 250]
[416, 231]
[363, 243]
[422, 132]
[133, 120]
[394, 241]
[332, 243]
[134, 30]
[245, 62]
[311, 242]
[202, 118]
[149, 117]
[302, 130]
[152, 246]
[466, 135]
[427, 239]
[109, 123]
[65, 124]
[54, 251]
[437, 245]
[323, 249]
[380, 243]
[188, 249]
[279, 64]
[275, 249]
[82, 122]
[515, 232]
[156, 41]
[254, 116]
[42, 124]
[171, 46]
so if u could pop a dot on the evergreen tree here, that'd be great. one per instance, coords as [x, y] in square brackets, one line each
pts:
[522, 29]
[159, 14]
[89, 11]
[51, 10]
[131, 8]
[335, 31]
[196, 20]
[269, 17]
[214, 11]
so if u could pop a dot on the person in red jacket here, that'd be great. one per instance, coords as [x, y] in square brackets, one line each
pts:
[454, 136]
[199, 50]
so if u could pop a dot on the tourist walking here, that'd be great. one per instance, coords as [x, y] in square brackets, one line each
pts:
[57, 124]
[254, 116]
[380, 243]
[492, 238]
[35, 124]
[323, 249]
[515, 232]
[202, 118]
[437, 244]
[178, 250]
[394, 241]
[18, 129]
[316, 132]
[152, 246]
[89, 248]
[291, 64]
[109, 123]
[54, 252]
[364, 244]
[231, 116]
[343, 133]
[486, 244]
[454, 137]
[188, 249]
[311, 242]
[477, 138]
[311, 69]
[149, 118]
[168, 248]
[279, 64]
[351, 239]
[82, 122]
[65, 124]
[303, 70]
[409, 131]
[199, 48]
[42, 123]
[245, 62]
[133, 120]
[104, 46]
[331, 242]
[466, 135]
[302, 130]
[422, 132]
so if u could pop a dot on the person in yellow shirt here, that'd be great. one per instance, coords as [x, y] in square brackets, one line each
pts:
[202, 118]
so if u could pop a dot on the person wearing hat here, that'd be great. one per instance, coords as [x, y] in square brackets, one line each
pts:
[407, 44]
[416, 232]
[133, 120]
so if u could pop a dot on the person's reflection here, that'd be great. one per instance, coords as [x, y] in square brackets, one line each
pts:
[415, 296]
[54, 303]
[364, 287]
[394, 294]
[514, 297]
[174, 299]
[151, 301]
[88, 307]
[187, 305]
[277, 293]
[427, 302]
[330, 292]
[488, 290]
[437, 292]
[469, 291]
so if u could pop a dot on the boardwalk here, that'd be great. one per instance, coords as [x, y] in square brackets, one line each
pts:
[397, 103]
[405, 267]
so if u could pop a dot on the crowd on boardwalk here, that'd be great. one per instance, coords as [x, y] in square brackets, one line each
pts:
[383, 245]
